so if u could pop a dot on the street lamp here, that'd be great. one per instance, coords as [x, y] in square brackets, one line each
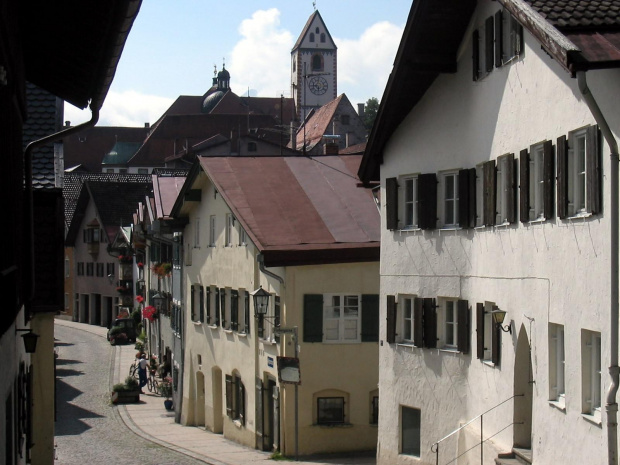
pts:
[30, 340]
[261, 302]
[498, 318]
[159, 302]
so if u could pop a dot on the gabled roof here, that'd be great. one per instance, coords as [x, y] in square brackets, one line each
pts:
[297, 210]
[121, 153]
[73, 51]
[306, 30]
[166, 189]
[317, 123]
[578, 34]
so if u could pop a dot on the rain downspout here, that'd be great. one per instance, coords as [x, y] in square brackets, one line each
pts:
[611, 406]
[261, 265]
[29, 203]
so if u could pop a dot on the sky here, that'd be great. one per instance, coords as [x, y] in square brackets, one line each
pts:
[173, 47]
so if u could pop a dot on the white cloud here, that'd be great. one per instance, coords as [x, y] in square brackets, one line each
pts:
[128, 108]
[364, 64]
[261, 59]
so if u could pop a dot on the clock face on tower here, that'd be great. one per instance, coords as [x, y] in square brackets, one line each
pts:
[317, 85]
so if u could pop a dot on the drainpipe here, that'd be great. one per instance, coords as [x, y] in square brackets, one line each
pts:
[28, 204]
[261, 265]
[611, 406]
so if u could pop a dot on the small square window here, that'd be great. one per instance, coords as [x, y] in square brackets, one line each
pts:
[330, 410]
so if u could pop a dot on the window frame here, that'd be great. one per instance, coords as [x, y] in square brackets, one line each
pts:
[321, 420]
[557, 364]
[410, 206]
[408, 321]
[591, 366]
[342, 319]
[416, 444]
[230, 226]
[212, 231]
[443, 199]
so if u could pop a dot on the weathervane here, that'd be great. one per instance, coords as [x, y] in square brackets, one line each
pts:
[214, 70]
[314, 5]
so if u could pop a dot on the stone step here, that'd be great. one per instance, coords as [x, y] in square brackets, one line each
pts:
[518, 456]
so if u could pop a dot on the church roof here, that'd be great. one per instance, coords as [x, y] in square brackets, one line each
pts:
[306, 30]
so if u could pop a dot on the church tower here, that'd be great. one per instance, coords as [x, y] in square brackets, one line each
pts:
[314, 72]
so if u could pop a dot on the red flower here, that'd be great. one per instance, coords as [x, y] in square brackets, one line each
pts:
[140, 299]
[140, 264]
[149, 313]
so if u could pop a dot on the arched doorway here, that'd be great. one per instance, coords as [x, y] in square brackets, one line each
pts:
[216, 389]
[199, 405]
[523, 384]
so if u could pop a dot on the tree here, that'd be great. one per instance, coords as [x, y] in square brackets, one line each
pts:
[370, 112]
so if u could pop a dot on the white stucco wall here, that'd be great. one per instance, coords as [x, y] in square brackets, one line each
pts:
[556, 271]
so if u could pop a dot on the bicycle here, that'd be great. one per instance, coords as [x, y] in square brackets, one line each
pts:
[133, 369]
[151, 383]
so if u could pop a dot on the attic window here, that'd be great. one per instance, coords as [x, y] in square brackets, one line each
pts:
[312, 37]
[323, 37]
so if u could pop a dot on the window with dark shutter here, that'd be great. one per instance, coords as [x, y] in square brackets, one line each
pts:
[593, 170]
[498, 38]
[370, 318]
[390, 335]
[475, 54]
[241, 408]
[480, 331]
[427, 201]
[495, 343]
[313, 318]
[202, 304]
[418, 322]
[229, 396]
[524, 186]
[246, 302]
[548, 175]
[465, 211]
[488, 44]
[223, 316]
[234, 309]
[473, 211]
[192, 300]
[208, 306]
[216, 316]
[430, 323]
[510, 188]
[276, 316]
[561, 149]
[391, 203]
[463, 326]
[488, 190]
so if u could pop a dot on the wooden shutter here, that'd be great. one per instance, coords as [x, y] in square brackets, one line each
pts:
[192, 300]
[498, 38]
[276, 316]
[480, 330]
[524, 186]
[463, 326]
[241, 407]
[427, 201]
[208, 305]
[464, 211]
[473, 211]
[593, 171]
[475, 54]
[229, 396]
[259, 415]
[430, 323]
[488, 190]
[216, 317]
[562, 176]
[548, 170]
[495, 341]
[418, 322]
[234, 309]
[391, 203]
[202, 304]
[313, 318]
[510, 187]
[370, 318]
[488, 44]
[246, 302]
[390, 335]
[223, 308]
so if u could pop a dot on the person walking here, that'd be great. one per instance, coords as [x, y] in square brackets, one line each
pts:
[142, 372]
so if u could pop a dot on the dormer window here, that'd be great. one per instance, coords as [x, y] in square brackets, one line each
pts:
[323, 38]
[92, 236]
[312, 37]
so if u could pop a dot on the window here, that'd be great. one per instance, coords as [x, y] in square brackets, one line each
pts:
[317, 62]
[230, 226]
[536, 182]
[224, 308]
[374, 410]
[408, 319]
[505, 193]
[312, 37]
[450, 324]
[252, 147]
[591, 372]
[508, 38]
[345, 120]
[410, 202]
[341, 318]
[482, 45]
[449, 199]
[197, 233]
[212, 237]
[109, 269]
[556, 363]
[425, 195]
[90, 268]
[91, 235]
[330, 410]
[235, 398]
[487, 334]
[100, 270]
[143, 171]
[480, 195]
[342, 315]
[242, 237]
[322, 37]
[80, 269]
[197, 298]
[578, 172]
[410, 431]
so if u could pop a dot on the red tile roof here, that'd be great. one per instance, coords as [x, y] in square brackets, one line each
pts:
[303, 209]
[166, 189]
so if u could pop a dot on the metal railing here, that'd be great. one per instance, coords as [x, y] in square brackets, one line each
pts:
[435, 446]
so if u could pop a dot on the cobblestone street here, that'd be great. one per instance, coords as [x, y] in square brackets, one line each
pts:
[88, 427]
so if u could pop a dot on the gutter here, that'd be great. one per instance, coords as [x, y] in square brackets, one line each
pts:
[28, 261]
[260, 258]
[611, 405]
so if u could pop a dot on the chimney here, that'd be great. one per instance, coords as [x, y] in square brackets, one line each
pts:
[331, 148]
[68, 124]
[360, 110]
[147, 125]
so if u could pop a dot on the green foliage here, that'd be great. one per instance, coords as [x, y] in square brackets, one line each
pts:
[137, 316]
[130, 384]
[370, 112]
[278, 456]
[139, 346]
[142, 335]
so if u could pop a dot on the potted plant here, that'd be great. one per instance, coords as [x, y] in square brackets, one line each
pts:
[127, 392]
[117, 335]
[149, 313]
[165, 389]
[162, 269]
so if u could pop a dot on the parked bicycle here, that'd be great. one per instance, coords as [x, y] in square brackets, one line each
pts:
[133, 369]
[151, 383]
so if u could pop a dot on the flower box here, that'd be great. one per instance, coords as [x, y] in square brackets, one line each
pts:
[125, 397]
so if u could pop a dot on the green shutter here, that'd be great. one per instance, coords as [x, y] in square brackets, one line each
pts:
[463, 326]
[202, 304]
[192, 301]
[391, 203]
[234, 309]
[370, 318]
[247, 312]
[229, 395]
[313, 318]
